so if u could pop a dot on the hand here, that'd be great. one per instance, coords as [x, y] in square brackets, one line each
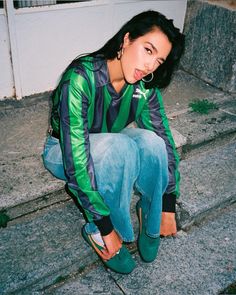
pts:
[168, 224]
[113, 243]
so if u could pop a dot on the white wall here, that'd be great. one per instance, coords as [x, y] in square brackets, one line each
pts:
[6, 77]
[48, 41]
[48, 38]
[173, 9]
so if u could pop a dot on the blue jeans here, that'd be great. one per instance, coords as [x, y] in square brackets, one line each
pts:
[134, 158]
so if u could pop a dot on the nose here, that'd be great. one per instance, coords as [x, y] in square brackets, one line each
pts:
[150, 65]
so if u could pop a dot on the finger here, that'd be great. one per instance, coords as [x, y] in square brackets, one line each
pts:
[107, 255]
[165, 235]
[104, 254]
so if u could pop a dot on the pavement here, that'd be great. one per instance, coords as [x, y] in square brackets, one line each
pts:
[190, 264]
[42, 251]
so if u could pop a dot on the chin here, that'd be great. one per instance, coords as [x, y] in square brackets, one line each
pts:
[131, 81]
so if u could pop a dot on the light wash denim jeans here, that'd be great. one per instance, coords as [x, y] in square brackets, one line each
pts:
[135, 158]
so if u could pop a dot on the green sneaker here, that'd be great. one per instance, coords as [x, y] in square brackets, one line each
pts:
[121, 263]
[147, 246]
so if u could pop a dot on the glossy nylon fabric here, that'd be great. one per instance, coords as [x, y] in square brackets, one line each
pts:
[86, 102]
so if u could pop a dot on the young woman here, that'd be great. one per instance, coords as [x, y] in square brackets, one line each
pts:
[101, 160]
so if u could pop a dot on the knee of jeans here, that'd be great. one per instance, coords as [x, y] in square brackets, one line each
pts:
[53, 154]
[56, 170]
[160, 145]
[125, 149]
[152, 143]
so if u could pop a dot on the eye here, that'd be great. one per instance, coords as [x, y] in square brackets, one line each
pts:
[149, 51]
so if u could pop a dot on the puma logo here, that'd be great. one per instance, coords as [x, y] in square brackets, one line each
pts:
[139, 94]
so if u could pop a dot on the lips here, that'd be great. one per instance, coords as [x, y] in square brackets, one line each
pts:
[138, 75]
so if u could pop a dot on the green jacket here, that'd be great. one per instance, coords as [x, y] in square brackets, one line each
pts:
[86, 102]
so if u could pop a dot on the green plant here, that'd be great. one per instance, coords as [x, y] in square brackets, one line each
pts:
[4, 218]
[203, 106]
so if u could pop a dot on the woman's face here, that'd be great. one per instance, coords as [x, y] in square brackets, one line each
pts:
[144, 55]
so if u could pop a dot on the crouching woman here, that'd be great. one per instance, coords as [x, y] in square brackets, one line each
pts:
[103, 161]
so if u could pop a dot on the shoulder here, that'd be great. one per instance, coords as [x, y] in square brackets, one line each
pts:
[149, 93]
[81, 68]
[80, 74]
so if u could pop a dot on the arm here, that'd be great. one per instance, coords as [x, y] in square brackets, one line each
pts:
[78, 163]
[168, 223]
[153, 118]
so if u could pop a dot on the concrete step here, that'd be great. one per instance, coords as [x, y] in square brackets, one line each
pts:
[201, 261]
[40, 249]
[208, 183]
[201, 131]
[27, 187]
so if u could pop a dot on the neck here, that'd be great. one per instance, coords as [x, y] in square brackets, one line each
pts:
[116, 74]
[115, 71]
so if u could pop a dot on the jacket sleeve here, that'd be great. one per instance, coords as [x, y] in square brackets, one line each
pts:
[153, 118]
[78, 163]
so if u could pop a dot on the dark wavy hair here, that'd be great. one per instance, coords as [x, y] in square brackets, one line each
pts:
[138, 26]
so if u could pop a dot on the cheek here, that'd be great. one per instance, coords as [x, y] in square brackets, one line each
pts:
[135, 54]
[131, 58]
[130, 61]
[126, 68]
[127, 61]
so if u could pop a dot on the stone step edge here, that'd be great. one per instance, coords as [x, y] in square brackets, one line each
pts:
[183, 217]
[185, 221]
[185, 146]
[42, 202]
[220, 139]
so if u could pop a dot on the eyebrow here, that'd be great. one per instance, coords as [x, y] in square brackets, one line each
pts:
[154, 48]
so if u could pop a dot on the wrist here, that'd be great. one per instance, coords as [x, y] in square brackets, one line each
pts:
[169, 203]
[104, 225]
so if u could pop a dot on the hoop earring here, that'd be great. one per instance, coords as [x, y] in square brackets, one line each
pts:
[120, 53]
[148, 80]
